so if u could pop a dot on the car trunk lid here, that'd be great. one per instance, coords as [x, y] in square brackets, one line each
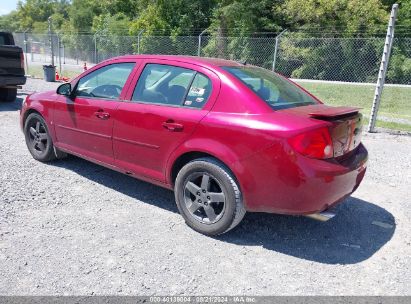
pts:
[346, 124]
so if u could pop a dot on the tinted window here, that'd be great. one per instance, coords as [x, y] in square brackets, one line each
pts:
[163, 84]
[106, 82]
[199, 92]
[278, 92]
[6, 39]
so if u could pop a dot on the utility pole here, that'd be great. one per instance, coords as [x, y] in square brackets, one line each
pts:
[277, 39]
[383, 68]
[51, 41]
[26, 51]
[199, 42]
[59, 52]
[138, 40]
[95, 49]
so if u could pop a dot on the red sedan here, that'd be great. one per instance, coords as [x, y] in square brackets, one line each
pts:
[227, 137]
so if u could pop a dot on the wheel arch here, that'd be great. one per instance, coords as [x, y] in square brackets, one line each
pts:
[39, 111]
[28, 112]
[184, 158]
[237, 207]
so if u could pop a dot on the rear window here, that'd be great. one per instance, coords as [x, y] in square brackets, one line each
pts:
[5, 39]
[276, 91]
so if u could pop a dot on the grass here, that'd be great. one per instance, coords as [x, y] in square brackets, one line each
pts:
[37, 71]
[395, 106]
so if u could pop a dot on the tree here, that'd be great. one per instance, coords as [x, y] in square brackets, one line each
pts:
[242, 18]
[81, 14]
[33, 14]
[10, 22]
[337, 17]
[172, 17]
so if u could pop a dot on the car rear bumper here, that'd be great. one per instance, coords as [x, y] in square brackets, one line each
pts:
[10, 80]
[281, 181]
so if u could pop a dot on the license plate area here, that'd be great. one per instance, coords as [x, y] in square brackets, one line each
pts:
[346, 134]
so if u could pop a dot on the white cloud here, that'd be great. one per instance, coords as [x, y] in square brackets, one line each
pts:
[4, 11]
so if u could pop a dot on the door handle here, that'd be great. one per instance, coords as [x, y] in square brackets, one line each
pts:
[102, 115]
[172, 126]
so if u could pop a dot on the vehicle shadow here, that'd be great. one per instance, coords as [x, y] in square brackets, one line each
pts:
[12, 106]
[359, 230]
[137, 189]
[349, 238]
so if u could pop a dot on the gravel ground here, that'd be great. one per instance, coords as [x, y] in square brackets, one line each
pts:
[74, 228]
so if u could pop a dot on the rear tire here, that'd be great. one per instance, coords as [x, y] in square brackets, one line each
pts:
[38, 139]
[8, 95]
[208, 197]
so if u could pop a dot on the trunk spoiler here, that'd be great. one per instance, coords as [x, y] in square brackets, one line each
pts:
[332, 112]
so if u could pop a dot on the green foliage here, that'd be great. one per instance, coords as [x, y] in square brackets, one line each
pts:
[237, 20]
[221, 17]
[10, 22]
[240, 18]
[404, 15]
[347, 17]
[82, 13]
[172, 17]
[32, 12]
[351, 60]
[399, 69]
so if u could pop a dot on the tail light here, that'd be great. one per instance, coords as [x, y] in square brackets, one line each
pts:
[315, 144]
[22, 60]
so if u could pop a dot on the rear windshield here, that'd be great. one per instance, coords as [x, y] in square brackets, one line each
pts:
[278, 92]
[5, 39]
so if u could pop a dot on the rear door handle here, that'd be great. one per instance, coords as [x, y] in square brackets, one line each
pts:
[102, 115]
[172, 126]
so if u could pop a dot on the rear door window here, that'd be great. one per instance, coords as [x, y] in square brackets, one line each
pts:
[163, 84]
[172, 85]
[199, 92]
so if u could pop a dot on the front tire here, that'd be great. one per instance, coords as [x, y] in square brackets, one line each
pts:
[38, 139]
[8, 95]
[208, 197]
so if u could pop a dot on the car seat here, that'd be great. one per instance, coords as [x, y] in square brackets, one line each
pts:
[175, 95]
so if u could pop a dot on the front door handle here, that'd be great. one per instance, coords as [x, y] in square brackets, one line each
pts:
[172, 126]
[102, 115]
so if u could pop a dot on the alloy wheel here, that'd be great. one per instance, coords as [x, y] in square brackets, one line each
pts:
[38, 138]
[204, 197]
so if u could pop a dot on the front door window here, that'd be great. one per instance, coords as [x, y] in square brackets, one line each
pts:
[106, 82]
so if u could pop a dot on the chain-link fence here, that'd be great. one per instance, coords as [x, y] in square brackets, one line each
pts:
[343, 71]
[395, 107]
[340, 71]
[256, 51]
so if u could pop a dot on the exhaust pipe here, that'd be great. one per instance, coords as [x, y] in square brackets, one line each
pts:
[322, 216]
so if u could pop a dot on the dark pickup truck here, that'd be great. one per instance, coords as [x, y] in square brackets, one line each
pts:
[11, 67]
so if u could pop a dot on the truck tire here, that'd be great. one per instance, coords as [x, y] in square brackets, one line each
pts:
[8, 95]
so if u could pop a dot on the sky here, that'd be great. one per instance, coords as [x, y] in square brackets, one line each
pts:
[6, 6]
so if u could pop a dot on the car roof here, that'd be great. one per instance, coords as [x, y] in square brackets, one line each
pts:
[204, 61]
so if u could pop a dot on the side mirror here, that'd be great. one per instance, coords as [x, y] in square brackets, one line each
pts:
[64, 89]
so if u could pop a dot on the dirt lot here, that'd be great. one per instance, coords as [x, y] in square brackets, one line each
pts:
[74, 228]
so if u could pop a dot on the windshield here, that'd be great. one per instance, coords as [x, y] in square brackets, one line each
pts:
[278, 92]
